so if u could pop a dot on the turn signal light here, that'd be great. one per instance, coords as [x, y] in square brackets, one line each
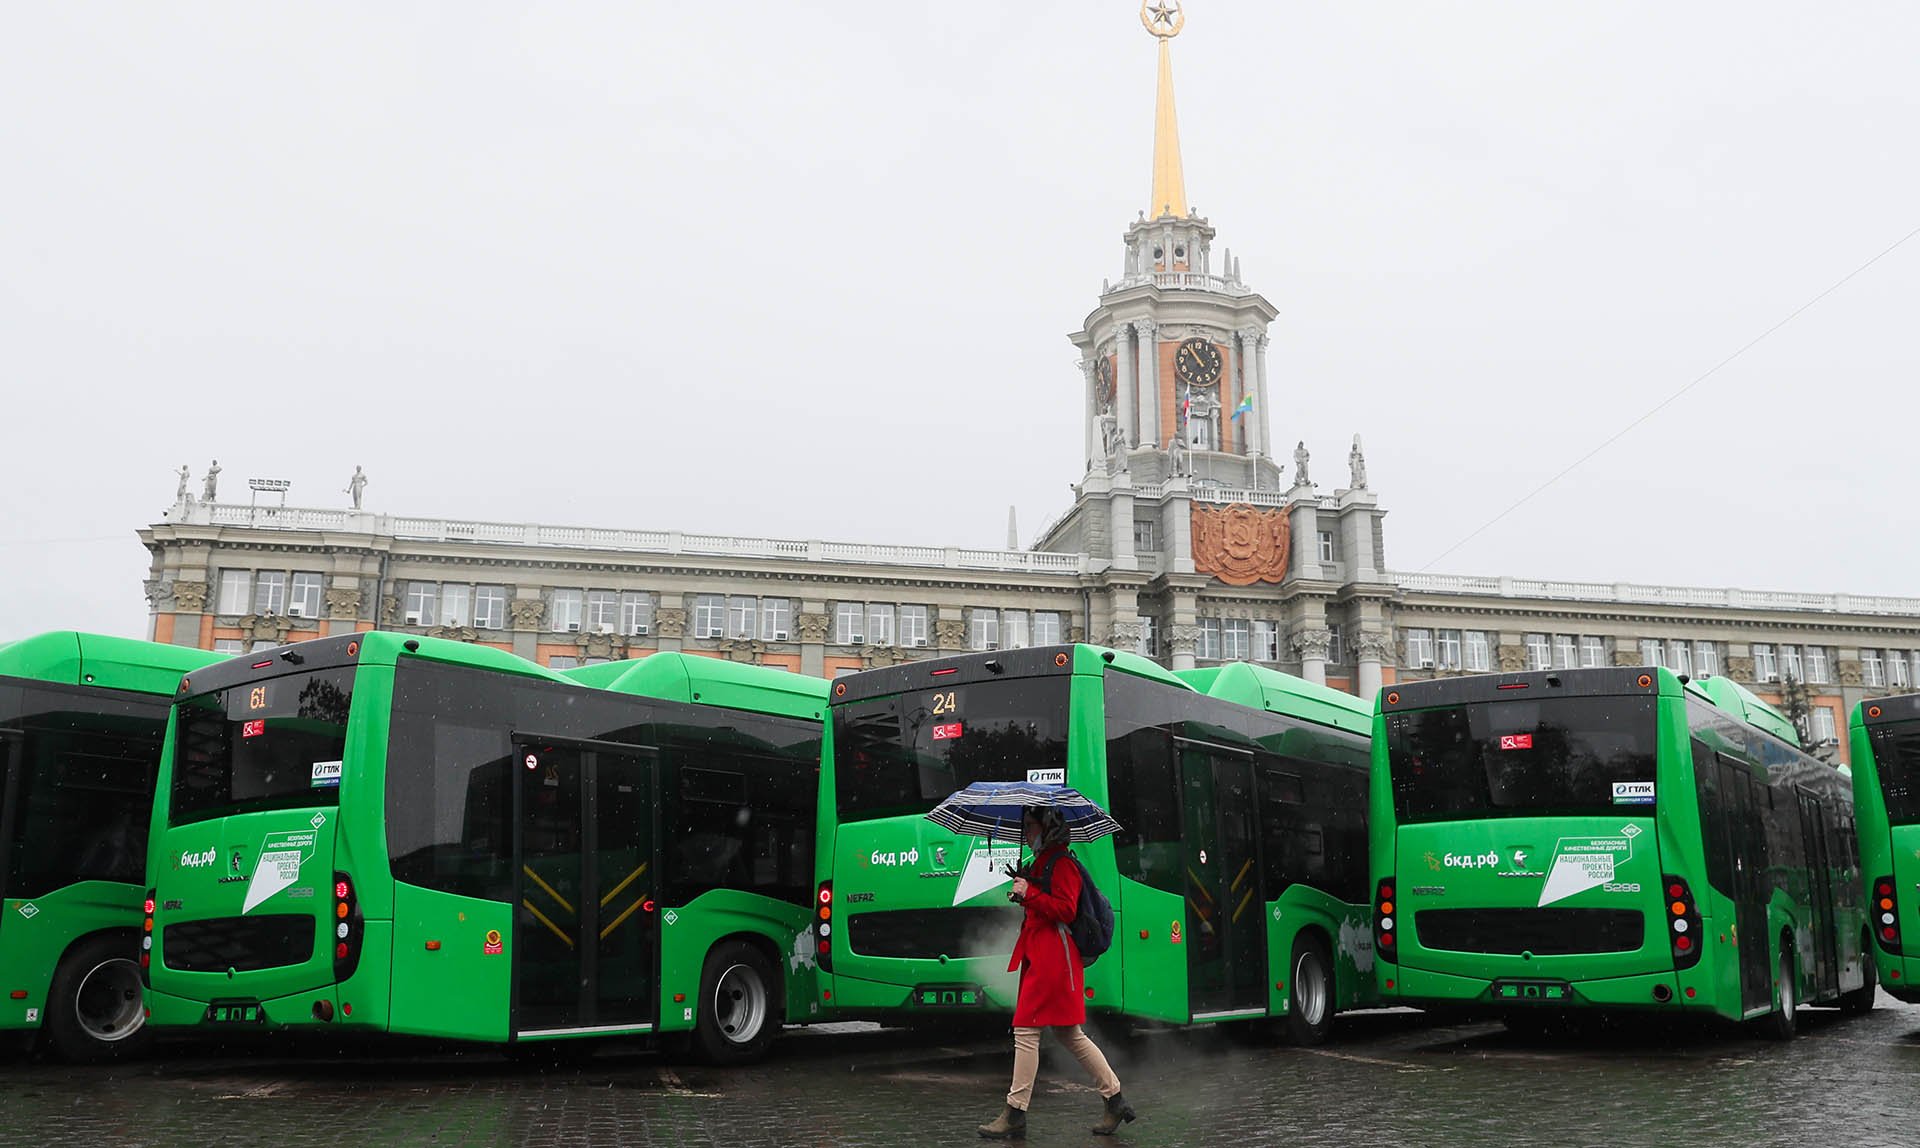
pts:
[1383, 935]
[349, 931]
[1683, 923]
[1886, 915]
[146, 935]
[824, 899]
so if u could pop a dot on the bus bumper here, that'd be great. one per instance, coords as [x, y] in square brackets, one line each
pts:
[238, 1013]
[1645, 991]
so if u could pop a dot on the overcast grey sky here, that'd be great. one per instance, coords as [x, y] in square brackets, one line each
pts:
[806, 270]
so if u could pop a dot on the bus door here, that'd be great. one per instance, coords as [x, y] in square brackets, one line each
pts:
[1825, 972]
[1226, 917]
[586, 952]
[1743, 799]
[10, 770]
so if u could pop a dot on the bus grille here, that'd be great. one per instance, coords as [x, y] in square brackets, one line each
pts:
[933, 933]
[239, 943]
[1542, 932]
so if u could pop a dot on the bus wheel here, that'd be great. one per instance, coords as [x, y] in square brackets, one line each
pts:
[1860, 1000]
[739, 1013]
[1780, 1024]
[1311, 992]
[95, 1011]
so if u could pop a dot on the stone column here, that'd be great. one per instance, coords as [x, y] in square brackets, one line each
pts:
[1125, 403]
[1183, 628]
[1261, 404]
[810, 626]
[1371, 649]
[1150, 432]
[1092, 412]
[1120, 527]
[1252, 426]
[1311, 646]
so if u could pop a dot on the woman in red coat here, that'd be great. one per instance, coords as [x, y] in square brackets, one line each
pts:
[1052, 980]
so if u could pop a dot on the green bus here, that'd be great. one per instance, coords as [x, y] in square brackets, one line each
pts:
[81, 717]
[1239, 878]
[1610, 839]
[411, 835]
[1885, 736]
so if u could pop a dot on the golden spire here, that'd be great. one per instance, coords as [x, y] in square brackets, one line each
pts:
[1164, 19]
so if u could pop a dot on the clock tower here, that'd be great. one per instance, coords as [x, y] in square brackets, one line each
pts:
[1197, 548]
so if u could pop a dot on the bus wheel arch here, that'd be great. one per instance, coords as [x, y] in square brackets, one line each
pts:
[1312, 987]
[96, 1009]
[742, 1000]
[1781, 1024]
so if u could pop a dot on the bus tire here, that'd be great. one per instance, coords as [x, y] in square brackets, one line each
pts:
[1860, 1001]
[95, 1008]
[1780, 1024]
[739, 1005]
[1310, 991]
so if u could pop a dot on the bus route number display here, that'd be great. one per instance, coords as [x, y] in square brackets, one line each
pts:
[946, 703]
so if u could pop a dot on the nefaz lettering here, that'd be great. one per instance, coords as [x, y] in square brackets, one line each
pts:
[199, 860]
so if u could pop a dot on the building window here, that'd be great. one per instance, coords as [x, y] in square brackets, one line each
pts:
[1013, 630]
[983, 629]
[270, 592]
[1790, 666]
[709, 616]
[1143, 541]
[1593, 651]
[1823, 729]
[1873, 668]
[490, 607]
[562, 662]
[1680, 658]
[568, 606]
[1566, 651]
[1209, 645]
[423, 599]
[603, 611]
[1046, 628]
[1817, 665]
[1266, 641]
[1149, 644]
[1336, 645]
[1420, 649]
[849, 618]
[776, 619]
[1479, 652]
[1236, 639]
[1897, 669]
[1326, 545]
[1539, 652]
[1706, 659]
[636, 614]
[229, 646]
[305, 600]
[456, 605]
[236, 586]
[262, 644]
[1446, 649]
[1764, 669]
[913, 625]
[879, 624]
[1652, 652]
[743, 617]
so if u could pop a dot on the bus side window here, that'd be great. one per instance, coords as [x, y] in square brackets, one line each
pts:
[1713, 819]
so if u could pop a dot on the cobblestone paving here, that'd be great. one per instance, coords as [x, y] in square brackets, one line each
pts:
[1388, 1079]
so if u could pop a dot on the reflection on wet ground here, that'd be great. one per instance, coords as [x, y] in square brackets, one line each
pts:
[1389, 1078]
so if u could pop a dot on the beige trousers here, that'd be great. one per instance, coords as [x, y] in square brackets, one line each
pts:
[1026, 1062]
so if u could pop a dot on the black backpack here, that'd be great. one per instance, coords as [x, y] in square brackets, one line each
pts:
[1092, 927]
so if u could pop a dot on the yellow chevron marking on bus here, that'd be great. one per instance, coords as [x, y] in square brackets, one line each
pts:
[630, 879]
[617, 921]
[549, 924]
[551, 892]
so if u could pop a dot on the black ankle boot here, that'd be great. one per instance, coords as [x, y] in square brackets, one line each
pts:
[1118, 1112]
[1011, 1124]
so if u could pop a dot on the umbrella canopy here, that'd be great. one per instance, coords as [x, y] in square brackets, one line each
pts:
[993, 808]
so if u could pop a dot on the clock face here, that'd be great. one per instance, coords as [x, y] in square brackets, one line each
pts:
[1103, 380]
[1198, 362]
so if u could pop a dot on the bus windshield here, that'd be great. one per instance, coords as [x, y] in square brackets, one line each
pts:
[902, 754]
[1896, 755]
[272, 744]
[1537, 757]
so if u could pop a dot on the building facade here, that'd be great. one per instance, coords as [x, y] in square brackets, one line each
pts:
[1189, 538]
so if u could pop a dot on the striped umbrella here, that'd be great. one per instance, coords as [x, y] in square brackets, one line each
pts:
[993, 809]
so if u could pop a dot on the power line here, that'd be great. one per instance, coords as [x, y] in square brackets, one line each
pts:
[1668, 401]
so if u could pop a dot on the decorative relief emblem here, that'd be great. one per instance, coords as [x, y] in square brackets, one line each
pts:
[950, 634]
[455, 633]
[811, 627]
[527, 612]
[189, 597]
[1513, 659]
[670, 622]
[343, 604]
[1240, 545]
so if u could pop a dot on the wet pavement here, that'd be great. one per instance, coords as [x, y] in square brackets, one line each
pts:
[1388, 1079]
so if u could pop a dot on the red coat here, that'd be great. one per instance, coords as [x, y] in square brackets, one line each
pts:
[1052, 979]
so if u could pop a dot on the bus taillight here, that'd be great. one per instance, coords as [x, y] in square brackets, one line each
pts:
[146, 943]
[824, 929]
[1886, 915]
[1383, 920]
[348, 927]
[1683, 922]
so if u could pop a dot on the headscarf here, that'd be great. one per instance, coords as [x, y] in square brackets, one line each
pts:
[1053, 827]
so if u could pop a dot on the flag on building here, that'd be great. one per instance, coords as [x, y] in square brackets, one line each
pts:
[1246, 404]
